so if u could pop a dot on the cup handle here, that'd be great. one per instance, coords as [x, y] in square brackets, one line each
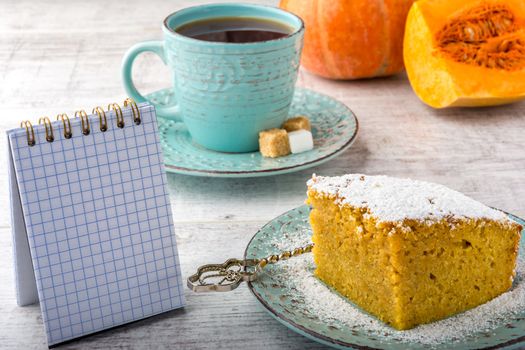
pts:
[157, 47]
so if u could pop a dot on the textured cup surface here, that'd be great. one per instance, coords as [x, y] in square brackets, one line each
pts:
[228, 92]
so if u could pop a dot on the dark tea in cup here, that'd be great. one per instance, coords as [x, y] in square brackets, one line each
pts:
[235, 29]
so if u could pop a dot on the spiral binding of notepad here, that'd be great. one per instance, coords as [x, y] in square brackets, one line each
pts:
[85, 124]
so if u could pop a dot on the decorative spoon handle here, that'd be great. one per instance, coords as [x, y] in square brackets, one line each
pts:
[229, 275]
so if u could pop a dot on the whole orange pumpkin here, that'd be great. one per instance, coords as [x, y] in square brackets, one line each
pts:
[351, 39]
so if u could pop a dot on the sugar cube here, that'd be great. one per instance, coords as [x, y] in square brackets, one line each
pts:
[297, 123]
[274, 143]
[300, 141]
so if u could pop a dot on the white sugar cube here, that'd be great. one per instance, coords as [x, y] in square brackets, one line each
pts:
[300, 141]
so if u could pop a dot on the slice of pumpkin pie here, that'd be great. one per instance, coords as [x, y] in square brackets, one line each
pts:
[409, 252]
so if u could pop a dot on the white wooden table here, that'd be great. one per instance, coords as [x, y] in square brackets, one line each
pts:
[57, 56]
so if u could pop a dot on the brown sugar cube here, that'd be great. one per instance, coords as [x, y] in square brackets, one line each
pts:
[274, 143]
[297, 123]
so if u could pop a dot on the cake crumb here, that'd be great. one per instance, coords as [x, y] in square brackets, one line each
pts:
[297, 276]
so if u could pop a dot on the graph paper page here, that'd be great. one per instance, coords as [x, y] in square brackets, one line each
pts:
[99, 224]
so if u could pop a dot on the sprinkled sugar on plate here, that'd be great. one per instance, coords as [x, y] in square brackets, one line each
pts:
[291, 293]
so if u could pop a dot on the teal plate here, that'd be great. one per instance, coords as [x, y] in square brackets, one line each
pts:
[334, 128]
[285, 300]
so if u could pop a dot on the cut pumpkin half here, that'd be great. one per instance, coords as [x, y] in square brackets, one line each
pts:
[466, 53]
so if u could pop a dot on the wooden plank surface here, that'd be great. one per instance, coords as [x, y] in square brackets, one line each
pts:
[57, 56]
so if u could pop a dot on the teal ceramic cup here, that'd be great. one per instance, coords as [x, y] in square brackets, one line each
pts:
[226, 93]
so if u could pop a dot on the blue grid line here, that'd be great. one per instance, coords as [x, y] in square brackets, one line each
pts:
[93, 264]
[147, 276]
[57, 242]
[51, 266]
[100, 295]
[67, 240]
[36, 269]
[157, 214]
[110, 241]
[65, 162]
[128, 213]
[130, 309]
[172, 244]
[90, 250]
[158, 197]
[80, 289]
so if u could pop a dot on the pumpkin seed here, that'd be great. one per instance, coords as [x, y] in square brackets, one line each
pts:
[469, 38]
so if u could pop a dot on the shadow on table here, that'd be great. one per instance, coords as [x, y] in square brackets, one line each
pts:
[145, 326]
[484, 115]
[349, 161]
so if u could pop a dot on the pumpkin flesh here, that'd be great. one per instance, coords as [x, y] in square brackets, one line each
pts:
[466, 54]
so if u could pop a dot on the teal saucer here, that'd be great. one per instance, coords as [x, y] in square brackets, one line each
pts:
[286, 299]
[334, 128]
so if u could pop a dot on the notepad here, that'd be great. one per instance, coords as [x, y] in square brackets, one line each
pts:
[92, 225]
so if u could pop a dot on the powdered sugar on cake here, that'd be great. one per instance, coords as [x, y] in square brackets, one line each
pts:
[391, 199]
